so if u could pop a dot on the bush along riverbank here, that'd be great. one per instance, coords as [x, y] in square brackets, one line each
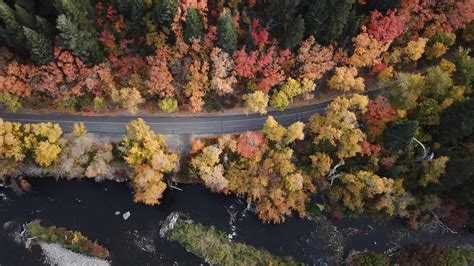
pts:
[414, 255]
[214, 246]
[68, 239]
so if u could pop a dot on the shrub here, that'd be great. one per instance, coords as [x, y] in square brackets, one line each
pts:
[11, 102]
[72, 240]
[99, 104]
[168, 105]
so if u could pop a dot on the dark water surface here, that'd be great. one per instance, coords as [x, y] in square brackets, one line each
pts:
[90, 208]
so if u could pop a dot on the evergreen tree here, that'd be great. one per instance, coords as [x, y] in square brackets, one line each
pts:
[226, 32]
[24, 17]
[45, 27]
[316, 18]
[124, 7]
[194, 25]
[40, 47]
[280, 14]
[78, 11]
[81, 43]
[75, 24]
[11, 33]
[399, 135]
[458, 171]
[165, 11]
[464, 66]
[138, 12]
[295, 34]
[457, 121]
[28, 5]
[326, 19]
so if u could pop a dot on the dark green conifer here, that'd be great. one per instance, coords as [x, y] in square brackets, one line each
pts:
[77, 11]
[11, 33]
[24, 17]
[138, 12]
[194, 25]
[165, 11]
[81, 43]
[227, 36]
[75, 25]
[45, 27]
[327, 19]
[457, 121]
[295, 34]
[399, 135]
[40, 47]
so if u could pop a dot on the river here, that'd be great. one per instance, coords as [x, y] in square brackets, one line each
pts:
[91, 209]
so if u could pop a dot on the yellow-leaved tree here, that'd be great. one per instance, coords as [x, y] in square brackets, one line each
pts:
[209, 169]
[12, 150]
[128, 98]
[43, 140]
[339, 126]
[364, 190]
[345, 79]
[149, 157]
[280, 135]
[290, 89]
[415, 49]
[255, 102]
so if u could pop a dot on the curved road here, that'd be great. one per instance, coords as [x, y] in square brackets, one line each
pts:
[180, 125]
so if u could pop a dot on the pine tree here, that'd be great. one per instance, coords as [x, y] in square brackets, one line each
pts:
[280, 14]
[341, 12]
[24, 17]
[326, 19]
[45, 27]
[317, 17]
[138, 12]
[295, 34]
[11, 33]
[124, 6]
[40, 47]
[80, 42]
[194, 25]
[165, 11]
[78, 11]
[457, 121]
[226, 32]
[399, 135]
[29, 5]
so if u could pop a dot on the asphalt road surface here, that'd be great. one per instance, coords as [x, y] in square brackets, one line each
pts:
[181, 125]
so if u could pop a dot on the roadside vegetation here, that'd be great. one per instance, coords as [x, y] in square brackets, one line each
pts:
[197, 56]
[71, 240]
[142, 156]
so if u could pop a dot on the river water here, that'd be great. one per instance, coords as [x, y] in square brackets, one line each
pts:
[91, 209]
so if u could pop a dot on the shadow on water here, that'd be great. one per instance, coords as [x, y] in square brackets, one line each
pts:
[90, 208]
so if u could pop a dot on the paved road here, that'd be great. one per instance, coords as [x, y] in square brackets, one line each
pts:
[115, 125]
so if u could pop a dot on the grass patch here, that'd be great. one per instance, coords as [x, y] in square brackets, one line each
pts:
[216, 249]
[71, 240]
